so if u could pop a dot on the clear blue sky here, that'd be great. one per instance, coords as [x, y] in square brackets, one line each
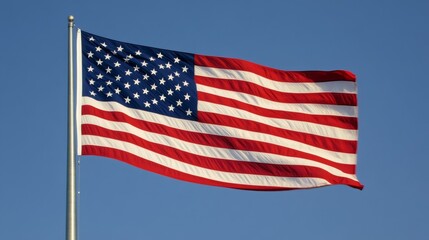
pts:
[385, 43]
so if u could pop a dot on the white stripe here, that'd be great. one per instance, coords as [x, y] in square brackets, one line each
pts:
[221, 131]
[287, 87]
[316, 109]
[208, 151]
[298, 126]
[236, 178]
[78, 89]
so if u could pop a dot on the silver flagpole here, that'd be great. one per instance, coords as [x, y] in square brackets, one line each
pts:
[71, 161]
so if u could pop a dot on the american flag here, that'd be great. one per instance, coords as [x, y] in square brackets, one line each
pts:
[214, 120]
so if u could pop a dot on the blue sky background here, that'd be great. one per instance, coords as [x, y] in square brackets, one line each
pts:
[385, 43]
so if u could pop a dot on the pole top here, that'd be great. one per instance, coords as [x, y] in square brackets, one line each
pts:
[71, 18]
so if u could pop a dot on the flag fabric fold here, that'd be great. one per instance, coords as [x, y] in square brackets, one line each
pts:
[213, 120]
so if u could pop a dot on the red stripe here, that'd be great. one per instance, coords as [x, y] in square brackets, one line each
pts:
[335, 121]
[217, 164]
[159, 169]
[272, 73]
[331, 144]
[213, 140]
[277, 96]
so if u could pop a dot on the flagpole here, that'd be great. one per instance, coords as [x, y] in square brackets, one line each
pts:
[71, 161]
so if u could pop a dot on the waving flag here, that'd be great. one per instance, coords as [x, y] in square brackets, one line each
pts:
[213, 120]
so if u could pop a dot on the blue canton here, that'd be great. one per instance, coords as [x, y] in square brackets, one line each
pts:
[140, 77]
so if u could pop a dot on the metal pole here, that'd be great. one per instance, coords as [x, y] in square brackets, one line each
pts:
[71, 161]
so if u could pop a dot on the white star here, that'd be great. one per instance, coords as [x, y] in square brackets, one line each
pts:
[168, 65]
[178, 87]
[91, 82]
[170, 77]
[170, 92]
[153, 86]
[176, 60]
[171, 108]
[162, 81]
[108, 70]
[136, 95]
[145, 77]
[136, 68]
[90, 54]
[179, 103]
[130, 56]
[136, 81]
[127, 99]
[109, 83]
[145, 91]
[138, 53]
[100, 76]
[184, 69]
[147, 104]
[98, 49]
[187, 96]
[126, 59]
[153, 71]
[120, 48]
[104, 44]
[154, 101]
[160, 55]
[107, 56]
[128, 72]
[188, 112]
[90, 69]
[176, 74]
[118, 77]
[92, 93]
[109, 94]
[144, 64]
[152, 59]
[117, 90]
[91, 39]
[100, 88]
[185, 83]
[117, 64]
[162, 97]
[114, 52]
[99, 62]
[161, 66]
[127, 85]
